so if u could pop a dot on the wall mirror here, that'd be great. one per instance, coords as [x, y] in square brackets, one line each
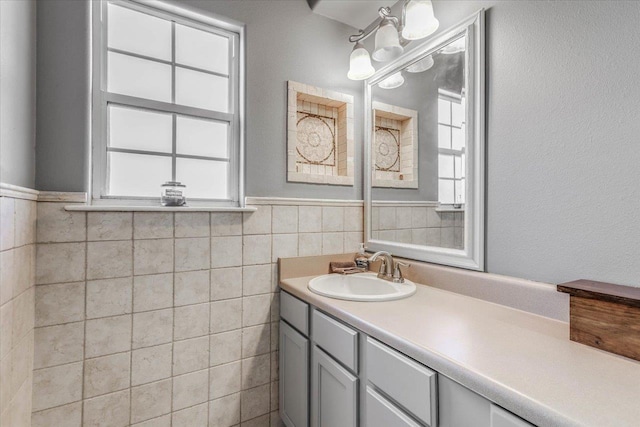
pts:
[424, 148]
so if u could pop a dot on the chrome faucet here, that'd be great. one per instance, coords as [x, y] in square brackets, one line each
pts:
[388, 269]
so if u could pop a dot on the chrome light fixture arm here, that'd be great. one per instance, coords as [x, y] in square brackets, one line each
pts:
[385, 13]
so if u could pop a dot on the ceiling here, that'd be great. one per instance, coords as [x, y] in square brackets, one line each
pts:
[356, 13]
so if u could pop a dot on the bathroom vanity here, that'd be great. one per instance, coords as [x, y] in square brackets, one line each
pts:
[439, 358]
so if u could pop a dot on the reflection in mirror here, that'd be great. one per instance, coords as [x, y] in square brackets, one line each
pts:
[425, 194]
[419, 151]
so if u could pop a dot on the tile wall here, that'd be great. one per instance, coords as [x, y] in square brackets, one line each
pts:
[17, 272]
[162, 319]
[418, 225]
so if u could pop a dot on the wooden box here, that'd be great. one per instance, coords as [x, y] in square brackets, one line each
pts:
[604, 316]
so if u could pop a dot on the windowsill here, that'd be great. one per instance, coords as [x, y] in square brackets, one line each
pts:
[449, 209]
[110, 208]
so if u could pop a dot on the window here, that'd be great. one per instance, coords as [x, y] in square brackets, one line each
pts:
[167, 105]
[451, 148]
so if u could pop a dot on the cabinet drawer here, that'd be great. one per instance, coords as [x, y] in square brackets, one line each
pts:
[295, 312]
[339, 340]
[408, 383]
[503, 418]
[382, 413]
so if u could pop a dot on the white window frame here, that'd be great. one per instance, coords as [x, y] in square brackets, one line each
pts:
[451, 98]
[101, 99]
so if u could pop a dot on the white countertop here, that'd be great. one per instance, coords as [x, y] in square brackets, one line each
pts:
[521, 361]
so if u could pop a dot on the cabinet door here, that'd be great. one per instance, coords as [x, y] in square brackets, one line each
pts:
[294, 377]
[503, 418]
[334, 393]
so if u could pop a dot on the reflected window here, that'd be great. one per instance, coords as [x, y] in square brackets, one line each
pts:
[451, 148]
[168, 104]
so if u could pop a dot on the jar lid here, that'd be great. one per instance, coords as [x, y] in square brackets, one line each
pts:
[173, 184]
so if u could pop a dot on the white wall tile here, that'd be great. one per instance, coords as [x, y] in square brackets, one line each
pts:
[256, 371]
[55, 304]
[152, 328]
[353, 218]
[226, 251]
[225, 380]
[256, 279]
[191, 321]
[309, 244]
[107, 374]
[332, 243]
[152, 225]
[285, 219]
[226, 315]
[255, 402]
[109, 226]
[151, 364]
[190, 355]
[258, 222]
[54, 224]
[56, 345]
[190, 417]
[225, 411]
[332, 218]
[57, 386]
[25, 222]
[108, 335]
[150, 400]
[7, 223]
[192, 254]
[310, 219]
[109, 297]
[284, 246]
[192, 224]
[226, 283]
[226, 224]
[68, 415]
[109, 259]
[152, 256]
[225, 347]
[190, 389]
[256, 310]
[152, 292]
[192, 287]
[256, 249]
[110, 409]
[50, 258]
[255, 340]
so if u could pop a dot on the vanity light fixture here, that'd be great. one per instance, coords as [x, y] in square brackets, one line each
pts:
[392, 34]
[423, 65]
[360, 67]
[392, 82]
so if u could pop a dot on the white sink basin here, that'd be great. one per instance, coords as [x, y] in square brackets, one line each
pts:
[360, 287]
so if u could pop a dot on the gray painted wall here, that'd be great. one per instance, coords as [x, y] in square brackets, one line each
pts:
[562, 136]
[285, 41]
[17, 92]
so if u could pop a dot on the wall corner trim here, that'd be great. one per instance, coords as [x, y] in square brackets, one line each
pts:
[17, 192]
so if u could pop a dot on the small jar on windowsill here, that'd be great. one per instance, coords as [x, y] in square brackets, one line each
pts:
[173, 194]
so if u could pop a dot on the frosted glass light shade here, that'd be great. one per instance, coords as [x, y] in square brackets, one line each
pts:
[392, 82]
[360, 67]
[420, 21]
[422, 65]
[387, 43]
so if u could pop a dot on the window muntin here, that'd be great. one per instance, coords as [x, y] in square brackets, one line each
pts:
[169, 105]
[451, 148]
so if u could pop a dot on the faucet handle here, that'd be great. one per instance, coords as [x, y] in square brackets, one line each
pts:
[397, 272]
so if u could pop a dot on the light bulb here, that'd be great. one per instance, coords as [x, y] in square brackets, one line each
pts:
[387, 42]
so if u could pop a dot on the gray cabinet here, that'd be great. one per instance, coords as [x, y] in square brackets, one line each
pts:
[503, 418]
[294, 377]
[382, 413]
[334, 392]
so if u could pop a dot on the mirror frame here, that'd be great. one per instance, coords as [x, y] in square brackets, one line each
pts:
[472, 256]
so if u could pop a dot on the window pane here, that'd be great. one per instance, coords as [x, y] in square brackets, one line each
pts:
[457, 139]
[202, 137]
[202, 90]
[132, 76]
[445, 166]
[201, 49]
[139, 129]
[458, 164]
[460, 191]
[457, 114]
[464, 165]
[444, 112]
[205, 179]
[138, 175]
[445, 191]
[444, 136]
[139, 33]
